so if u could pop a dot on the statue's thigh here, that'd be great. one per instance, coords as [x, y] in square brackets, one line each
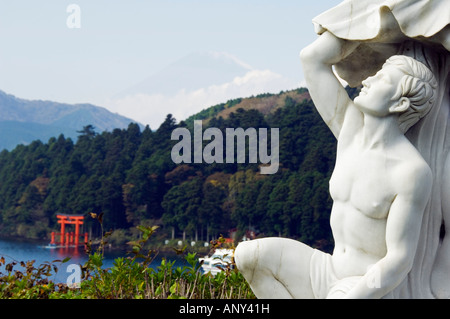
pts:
[276, 267]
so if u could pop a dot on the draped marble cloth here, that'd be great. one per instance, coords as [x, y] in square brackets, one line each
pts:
[405, 27]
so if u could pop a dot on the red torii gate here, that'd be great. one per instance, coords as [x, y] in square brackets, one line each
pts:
[68, 237]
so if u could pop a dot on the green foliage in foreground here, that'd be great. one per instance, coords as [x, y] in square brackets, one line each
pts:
[129, 278]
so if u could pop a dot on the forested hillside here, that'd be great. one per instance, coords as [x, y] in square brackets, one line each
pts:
[128, 175]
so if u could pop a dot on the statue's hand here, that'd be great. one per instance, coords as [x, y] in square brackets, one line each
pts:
[328, 49]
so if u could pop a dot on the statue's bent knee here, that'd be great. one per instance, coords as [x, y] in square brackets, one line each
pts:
[245, 257]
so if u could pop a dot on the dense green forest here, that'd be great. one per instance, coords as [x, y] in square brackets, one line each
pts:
[128, 175]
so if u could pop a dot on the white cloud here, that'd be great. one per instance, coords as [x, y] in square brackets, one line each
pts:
[153, 109]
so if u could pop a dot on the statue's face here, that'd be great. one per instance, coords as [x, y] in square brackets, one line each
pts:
[378, 90]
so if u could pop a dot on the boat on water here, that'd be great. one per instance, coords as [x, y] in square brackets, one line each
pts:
[55, 246]
[51, 246]
[218, 261]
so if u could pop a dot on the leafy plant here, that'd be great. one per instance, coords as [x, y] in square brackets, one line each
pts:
[31, 282]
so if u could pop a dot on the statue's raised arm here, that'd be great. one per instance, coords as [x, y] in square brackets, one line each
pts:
[330, 97]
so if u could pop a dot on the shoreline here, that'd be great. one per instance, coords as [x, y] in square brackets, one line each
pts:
[160, 248]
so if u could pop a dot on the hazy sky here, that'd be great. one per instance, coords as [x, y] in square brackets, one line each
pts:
[120, 43]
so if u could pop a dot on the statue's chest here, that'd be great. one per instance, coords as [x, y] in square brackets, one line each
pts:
[363, 181]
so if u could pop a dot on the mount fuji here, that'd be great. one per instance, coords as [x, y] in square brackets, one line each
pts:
[193, 83]
[192, 72]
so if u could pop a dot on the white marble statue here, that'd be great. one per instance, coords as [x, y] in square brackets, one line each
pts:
[391, 180]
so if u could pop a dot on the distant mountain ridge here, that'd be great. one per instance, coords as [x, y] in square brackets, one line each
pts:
[23, 121]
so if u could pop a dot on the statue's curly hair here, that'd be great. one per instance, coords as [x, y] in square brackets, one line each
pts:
[418, 85]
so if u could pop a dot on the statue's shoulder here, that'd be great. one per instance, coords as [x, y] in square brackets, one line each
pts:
[412, 172]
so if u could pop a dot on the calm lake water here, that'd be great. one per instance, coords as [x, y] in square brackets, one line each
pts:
[13, 250]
